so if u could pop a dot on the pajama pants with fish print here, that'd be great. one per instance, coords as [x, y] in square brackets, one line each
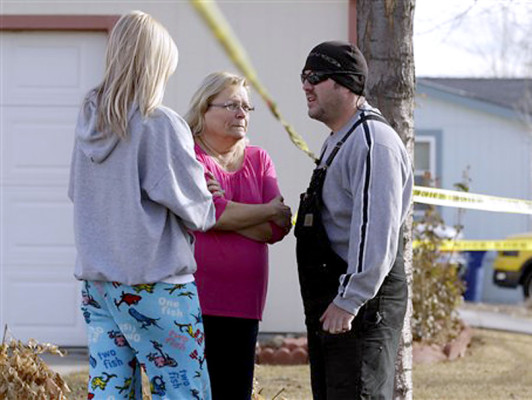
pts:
[154, 326]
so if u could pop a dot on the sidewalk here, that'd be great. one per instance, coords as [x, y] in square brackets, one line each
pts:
[496, 320]
[76, 360]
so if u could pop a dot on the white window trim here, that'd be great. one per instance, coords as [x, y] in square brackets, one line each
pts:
[432, 154]
[431, 140]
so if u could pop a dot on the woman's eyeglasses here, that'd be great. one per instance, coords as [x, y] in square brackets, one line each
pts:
[315, 77]
[234, 107]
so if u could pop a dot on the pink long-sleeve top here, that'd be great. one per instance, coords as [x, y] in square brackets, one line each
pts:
[232, 274]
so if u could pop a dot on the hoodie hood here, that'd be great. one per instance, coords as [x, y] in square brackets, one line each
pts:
[96, 145]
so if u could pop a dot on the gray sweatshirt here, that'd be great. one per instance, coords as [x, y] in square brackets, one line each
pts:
[135, 199]
[366, 194]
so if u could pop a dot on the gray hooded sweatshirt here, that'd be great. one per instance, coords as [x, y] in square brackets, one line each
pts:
[136, 199]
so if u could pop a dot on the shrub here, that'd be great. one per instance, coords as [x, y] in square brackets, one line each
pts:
[24, 375]
[437, 287]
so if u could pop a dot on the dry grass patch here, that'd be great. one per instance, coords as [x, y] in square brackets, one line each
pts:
[77, 383]
[497, 367]
[285, 382]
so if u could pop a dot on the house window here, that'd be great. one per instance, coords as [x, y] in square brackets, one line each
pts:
[425, 160]
[424, 166]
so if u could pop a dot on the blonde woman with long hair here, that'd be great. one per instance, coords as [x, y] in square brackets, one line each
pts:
[138, 191]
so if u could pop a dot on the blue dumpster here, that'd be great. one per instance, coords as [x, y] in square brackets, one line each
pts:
[474, 264]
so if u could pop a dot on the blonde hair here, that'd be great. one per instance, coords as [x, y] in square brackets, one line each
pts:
[211, 87]
[140, 58]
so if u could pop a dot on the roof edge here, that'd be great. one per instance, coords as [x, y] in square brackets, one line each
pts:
[466, 98]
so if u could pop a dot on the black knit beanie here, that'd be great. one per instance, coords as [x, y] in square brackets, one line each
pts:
[340, 56]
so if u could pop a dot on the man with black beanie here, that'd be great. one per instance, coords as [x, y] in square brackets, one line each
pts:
[349, 241]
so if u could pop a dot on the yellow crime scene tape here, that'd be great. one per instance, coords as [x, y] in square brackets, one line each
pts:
[484, 245]
[221, 29]
[452, 198]
[481, 245]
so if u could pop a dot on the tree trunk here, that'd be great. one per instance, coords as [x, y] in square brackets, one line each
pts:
[384, 32]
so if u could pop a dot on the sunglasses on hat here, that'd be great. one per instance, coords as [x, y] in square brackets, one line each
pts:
[315, 77]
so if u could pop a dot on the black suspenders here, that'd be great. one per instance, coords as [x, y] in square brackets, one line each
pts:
[361, 120]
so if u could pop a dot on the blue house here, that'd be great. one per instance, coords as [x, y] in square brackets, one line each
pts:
[484, 127]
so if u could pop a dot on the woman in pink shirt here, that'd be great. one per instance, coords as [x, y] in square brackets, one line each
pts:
[232, 257]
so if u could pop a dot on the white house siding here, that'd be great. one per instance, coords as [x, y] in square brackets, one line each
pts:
[498, 150]
[277, 36]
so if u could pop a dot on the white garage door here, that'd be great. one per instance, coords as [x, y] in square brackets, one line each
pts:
[44, 76]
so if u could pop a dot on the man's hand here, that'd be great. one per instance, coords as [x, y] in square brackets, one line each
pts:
[336, 320]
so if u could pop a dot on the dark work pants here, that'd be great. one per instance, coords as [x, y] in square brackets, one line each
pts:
[359, 364]
[230, 354]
